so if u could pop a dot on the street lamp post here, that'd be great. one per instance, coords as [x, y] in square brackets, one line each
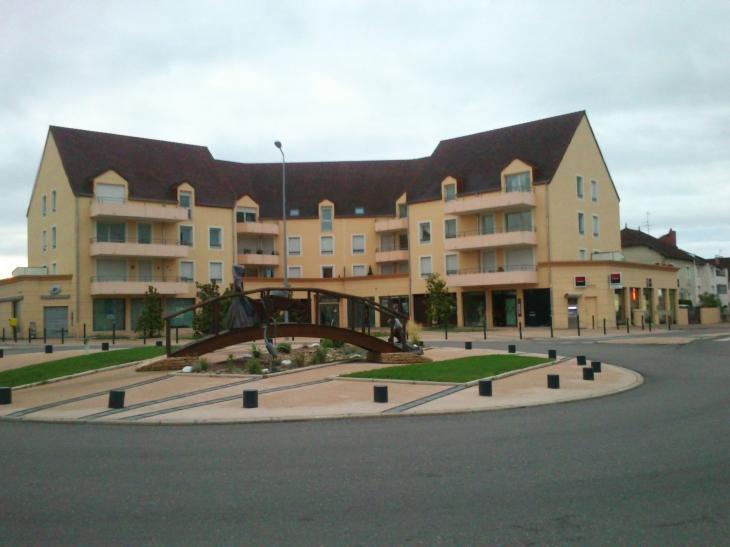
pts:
[283, 209]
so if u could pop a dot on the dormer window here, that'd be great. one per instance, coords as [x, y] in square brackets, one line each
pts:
[186, 200]
[246, 214]
[359, 210]
[519, 182]
[450, 192]
[294, 213]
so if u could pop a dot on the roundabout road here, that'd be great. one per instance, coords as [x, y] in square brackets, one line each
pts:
[649, 466]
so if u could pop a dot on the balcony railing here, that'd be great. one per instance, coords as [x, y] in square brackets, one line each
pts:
[167, 211]
[137, 240]
[390, 248]
[498, 269]
[139, 279]
[483, 232]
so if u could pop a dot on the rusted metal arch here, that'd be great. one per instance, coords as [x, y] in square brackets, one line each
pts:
[308, 330]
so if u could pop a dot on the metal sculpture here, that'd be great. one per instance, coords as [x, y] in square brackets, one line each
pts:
[241, 313]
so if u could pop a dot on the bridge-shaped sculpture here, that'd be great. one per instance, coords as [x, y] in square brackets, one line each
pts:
[279, 312]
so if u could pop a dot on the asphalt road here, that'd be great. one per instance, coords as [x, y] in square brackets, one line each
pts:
[646, 467]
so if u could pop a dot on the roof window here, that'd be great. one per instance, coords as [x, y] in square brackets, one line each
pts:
[359, 210]
[294, 213]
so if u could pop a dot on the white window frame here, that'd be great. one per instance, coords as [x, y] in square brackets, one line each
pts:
[44, 240]
[446, 268]
[363, 266]
[322, 219]
[596, 226]
[580, 187]
[179, 270]
[209, 245]
[223, 276]
[53, 268]
[446, 192]
[321, 271]
[420, 263]
[192, 232]
[187, 193]
[54, 197]
[582, 214]
[321, 252]
[430, 233]
[54, 238]
[44, 205]
[594, 191]
[288, 245]
[582, 254]
[456, 227]
[299, 268]
[352, 244]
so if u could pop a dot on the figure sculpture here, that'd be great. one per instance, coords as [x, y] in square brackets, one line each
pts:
[241, 314]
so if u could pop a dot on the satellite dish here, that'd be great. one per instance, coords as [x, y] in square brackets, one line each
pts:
[55, 289]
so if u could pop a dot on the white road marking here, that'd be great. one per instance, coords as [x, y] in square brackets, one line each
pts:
[723, 340]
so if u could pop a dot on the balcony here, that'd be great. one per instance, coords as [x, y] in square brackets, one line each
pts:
[490, 202]
[130, 285]
[125, 210]
[391, 225]
[257, 228]
[390, 254]
[473, 240]
[155, 248]
[258, 259]
[477, 277]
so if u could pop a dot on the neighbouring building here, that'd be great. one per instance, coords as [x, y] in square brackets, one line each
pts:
[522, 222]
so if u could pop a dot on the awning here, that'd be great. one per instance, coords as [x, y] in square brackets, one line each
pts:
[16, 298]
[573, 294]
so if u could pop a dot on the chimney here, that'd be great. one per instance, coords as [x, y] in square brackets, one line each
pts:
[670, 237]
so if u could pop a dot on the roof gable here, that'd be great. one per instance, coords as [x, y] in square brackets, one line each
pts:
[637, 238]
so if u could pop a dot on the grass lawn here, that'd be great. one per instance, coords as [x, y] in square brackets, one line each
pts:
[461, 370]
[74, 365]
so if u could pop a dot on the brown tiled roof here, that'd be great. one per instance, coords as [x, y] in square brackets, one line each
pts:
[637, 238]
[155, 168]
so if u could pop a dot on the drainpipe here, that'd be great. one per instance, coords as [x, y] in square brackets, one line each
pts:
[78, 262]
[549, 256]
[411, 311]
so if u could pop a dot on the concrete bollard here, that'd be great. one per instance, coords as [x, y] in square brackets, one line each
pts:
[588, 373]
[116, 398]
[581, 360]
[485, 388]
[552, 354]
[380, 394]
[158, 343]
[467, 345]
[49, 348]
[553, 381]
[105, 346]
[512, 348]
[596, 365]
[6, 395]
[250, 398]
[2, 353]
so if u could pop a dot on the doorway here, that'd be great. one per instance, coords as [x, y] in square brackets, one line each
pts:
[504, 308]
[537, 307]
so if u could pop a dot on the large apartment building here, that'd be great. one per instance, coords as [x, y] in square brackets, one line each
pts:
[522, 222]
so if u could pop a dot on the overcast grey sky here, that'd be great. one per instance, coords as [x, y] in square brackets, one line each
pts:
[379, 80]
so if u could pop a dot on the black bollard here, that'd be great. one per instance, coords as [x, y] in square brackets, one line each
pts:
[144, 336]
[6, 395]
[669, 326]
[114, 333]
[520, 323]
[2, 353]
[650, 324]
[642, 322]
[604, 327]
[380, 394]
[485, 331]
[177, 335]
[105, 346]
[596, 365]
[553, 381]
[485, 388]
[158, 343]
[446, 329]
[552, 354]
[62, 333]
[588, 373]
[250, 398]
[84, 331]
[29, 336]
[581, 360]
[116, 398]
[627, 325]
[49, 348]
[44, 335]
[551, 328]
[512, 348]
[593, 322]
[467, 345]
[578, 317]
[4, 335]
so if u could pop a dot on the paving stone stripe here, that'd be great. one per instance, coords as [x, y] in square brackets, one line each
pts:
[165, 399]
[216, 401]
[84, 397]
[424, 400]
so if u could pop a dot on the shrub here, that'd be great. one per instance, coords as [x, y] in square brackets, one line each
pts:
[197, 367]
[204, 364]
[256, 352]
[326, 343]
[254, 366]
[229, 363]
[283, 348]
[337, 343]
[299, 359]
[414, 332]
[319, 357]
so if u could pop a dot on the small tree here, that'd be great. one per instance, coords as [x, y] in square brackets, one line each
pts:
[709, 300]
[203, 319]
[150, 319]
[439, 302]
